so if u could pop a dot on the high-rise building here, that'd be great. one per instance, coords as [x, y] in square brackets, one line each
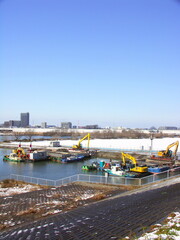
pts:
[44, 124]
[25, 119]
[66, 125]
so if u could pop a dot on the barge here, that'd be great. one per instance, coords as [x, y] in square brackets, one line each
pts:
[75, 158]
[19, 155]
[158, 169]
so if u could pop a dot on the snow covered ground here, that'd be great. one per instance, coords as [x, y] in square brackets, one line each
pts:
[17, 190]
[170, 230]
[128, 144]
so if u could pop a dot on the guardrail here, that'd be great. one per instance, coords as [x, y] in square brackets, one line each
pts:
[114, 180]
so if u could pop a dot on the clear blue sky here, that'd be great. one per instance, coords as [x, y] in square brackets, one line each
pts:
[106, 62]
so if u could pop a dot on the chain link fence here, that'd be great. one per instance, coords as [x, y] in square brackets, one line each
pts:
[114, 180]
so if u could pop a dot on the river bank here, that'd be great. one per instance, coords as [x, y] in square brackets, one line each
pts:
[147, 145]
[80, 213]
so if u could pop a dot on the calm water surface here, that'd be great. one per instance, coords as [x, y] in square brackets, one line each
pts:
[44, 169]
[11, 138]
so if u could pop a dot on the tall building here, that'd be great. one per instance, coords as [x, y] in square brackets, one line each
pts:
[25, 119]
[44, 124]
[66, 125]
[14, 123]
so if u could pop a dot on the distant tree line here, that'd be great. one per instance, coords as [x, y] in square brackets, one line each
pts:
[106, 134]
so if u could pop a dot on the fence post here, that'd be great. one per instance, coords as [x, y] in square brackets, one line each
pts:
[125, 182]
[106, 176]
[140, 182]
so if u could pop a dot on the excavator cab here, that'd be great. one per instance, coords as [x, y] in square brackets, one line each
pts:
[163, 153]
[169, 153]
[133, 166]
[79, 145]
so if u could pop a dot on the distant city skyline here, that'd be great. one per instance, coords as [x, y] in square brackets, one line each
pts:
[111, 63]
[25, 117]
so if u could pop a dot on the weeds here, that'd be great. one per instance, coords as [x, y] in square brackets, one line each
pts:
[28, 211]
[99, 196]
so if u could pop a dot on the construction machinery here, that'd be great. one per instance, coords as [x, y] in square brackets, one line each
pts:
[79, 146]
[19, 151]
[134, 166]
[167, 154]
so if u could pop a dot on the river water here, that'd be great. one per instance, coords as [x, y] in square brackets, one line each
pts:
[43, 169]
[11, 138]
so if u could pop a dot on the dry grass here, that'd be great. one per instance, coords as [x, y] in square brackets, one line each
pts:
[109, 187]
[99, 196]
[3, 226]
[28, 211]
[56, 195]
[9, 183]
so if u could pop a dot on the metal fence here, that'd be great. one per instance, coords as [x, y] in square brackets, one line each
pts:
[2, 177]
[161, 176]
[33, 180]
[114, 180]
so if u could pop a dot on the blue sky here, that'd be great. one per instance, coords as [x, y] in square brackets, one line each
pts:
[106, 62]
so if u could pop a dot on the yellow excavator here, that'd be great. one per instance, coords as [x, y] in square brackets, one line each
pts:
[79, 146]
[169, 153]
[135, 168]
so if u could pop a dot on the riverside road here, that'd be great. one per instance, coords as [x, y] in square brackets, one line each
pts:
[128, 214]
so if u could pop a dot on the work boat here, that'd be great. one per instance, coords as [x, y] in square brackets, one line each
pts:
[115, 170]
[13, 157]
[17, 155]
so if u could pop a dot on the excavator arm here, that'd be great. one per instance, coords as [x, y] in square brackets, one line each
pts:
[135, 168]
[78, 146]
[128, 156]
[168, 152]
